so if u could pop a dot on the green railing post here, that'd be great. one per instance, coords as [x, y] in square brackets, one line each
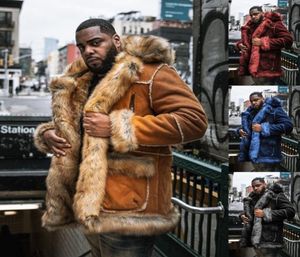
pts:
[298, 73]
[222, 227]
[206, 178]
[298, 159]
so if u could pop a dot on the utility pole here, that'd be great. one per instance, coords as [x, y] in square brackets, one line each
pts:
[6, 81]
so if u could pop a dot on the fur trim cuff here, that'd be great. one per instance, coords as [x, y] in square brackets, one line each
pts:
[39, 141]
[265, 43]
[123, 137]
[265, 129]
[133, 224]
[268, 215]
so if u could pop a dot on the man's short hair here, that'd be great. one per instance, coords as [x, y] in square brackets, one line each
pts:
[259, 8]
[262, 180]
[104, 25]
[256, 93]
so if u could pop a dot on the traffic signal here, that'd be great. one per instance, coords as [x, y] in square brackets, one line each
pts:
[10, 60]
[1, 62]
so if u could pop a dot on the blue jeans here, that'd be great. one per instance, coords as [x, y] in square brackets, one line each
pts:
[267, 252]
[114, 245]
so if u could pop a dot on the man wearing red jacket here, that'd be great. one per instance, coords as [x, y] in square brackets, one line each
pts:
[263, 37]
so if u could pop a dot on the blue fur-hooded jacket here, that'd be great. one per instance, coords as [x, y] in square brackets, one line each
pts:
[264, 146]
[266, 232]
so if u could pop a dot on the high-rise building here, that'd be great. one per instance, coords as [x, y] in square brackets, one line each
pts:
[50, 45]
[25, 60]
[66, 55]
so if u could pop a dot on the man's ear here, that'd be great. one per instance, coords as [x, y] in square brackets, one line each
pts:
[117, 41]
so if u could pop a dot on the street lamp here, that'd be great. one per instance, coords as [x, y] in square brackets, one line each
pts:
[6, 81]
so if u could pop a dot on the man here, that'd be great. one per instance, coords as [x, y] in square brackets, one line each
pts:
[263, 37]
[266, 209]
[263, 124]
[129, 106]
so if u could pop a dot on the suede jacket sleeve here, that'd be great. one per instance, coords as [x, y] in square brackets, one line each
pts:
[281, 125]
[178, 116]
[284, 210]
[282, 38]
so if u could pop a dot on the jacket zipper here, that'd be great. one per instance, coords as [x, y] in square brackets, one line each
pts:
[132, 103]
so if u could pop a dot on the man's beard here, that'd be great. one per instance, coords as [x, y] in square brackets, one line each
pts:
[107, 63]
[259, 20]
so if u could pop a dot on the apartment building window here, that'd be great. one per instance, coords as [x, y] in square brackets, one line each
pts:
[6, 38]
[124, 30]
[5, 18]
[142, 30]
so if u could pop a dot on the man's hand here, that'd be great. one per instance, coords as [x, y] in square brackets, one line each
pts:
[97, 124]
[259, 213]
[256, 127]
[256, 41]
[56, 144]
[245, 219]
[243, 133]
[242, 47]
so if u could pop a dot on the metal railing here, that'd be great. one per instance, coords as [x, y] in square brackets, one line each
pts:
[290, 150]
[291, 238]
[200, 189]
[289, 65]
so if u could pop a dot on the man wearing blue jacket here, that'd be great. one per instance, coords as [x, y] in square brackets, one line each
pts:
[263, 124]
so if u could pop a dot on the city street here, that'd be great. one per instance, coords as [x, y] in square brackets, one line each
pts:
[33, 104]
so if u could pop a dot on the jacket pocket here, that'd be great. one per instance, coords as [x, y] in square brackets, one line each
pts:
[127, 184]
[267, 147]
[125, 193]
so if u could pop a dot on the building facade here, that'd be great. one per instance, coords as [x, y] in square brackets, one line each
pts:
[9, 46]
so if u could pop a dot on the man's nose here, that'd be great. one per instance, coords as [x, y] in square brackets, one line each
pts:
[88, 50]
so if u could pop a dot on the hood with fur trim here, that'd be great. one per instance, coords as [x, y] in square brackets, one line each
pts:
[273, 101]
[273, 16]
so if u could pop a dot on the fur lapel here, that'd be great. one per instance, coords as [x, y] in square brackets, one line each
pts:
[93, 170]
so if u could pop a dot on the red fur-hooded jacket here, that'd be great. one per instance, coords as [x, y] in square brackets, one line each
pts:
[264, 60]
[121, 184]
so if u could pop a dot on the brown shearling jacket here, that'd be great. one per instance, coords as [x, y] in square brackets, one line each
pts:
[123, 184]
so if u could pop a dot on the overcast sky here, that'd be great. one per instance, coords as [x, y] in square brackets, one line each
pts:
[59, 18]
[240, 178]
[243, 92]
[243, 6]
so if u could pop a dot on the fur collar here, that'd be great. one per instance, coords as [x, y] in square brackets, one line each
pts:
[149, 49]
